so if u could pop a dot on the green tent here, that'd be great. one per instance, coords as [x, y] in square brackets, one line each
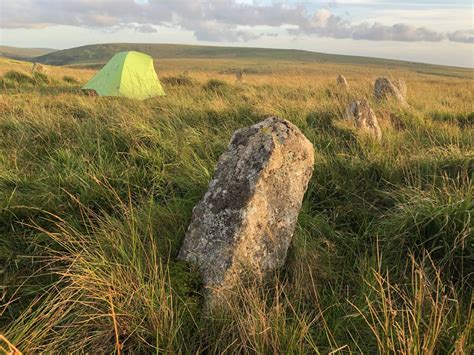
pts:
[127, 74]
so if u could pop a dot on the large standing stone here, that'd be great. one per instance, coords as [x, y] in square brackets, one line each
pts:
[342, 82]
[364, 118]
[384, 89]
[244, 224]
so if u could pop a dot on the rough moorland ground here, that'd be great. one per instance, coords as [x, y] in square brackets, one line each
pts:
[96, 195]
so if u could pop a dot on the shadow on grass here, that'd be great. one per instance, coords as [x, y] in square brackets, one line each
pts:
[330, 139]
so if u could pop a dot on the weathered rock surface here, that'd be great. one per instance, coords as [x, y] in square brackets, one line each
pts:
[384, 89]
[342, 82]
[364, 118]
[244, 224]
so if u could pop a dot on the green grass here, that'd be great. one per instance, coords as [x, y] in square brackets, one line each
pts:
[96, 195]
[20, 80]
[18, 77]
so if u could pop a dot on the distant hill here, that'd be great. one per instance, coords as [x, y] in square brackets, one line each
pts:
[23, 53]
[94, 56]
[100, 53]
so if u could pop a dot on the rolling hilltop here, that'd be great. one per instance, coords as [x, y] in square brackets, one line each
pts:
[100, 53]
[94, 56]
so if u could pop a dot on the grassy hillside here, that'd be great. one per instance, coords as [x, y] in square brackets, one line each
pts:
[96, 194]
[100, 53]
[23, 53]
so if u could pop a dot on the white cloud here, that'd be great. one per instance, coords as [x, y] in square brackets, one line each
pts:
[325, 24]
[441, 18]
[464, 36]
[213, 20]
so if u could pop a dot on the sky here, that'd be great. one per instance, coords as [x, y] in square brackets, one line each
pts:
[430, 31]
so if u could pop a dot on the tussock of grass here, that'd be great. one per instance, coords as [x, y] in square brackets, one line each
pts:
[19, 80]
[462, 120]
[435, 223]
[132, 277]
[217, 86]
[418, 316]
[41, 78]
[70, 79]
[19, 77]
[96, 195]
[179, 80]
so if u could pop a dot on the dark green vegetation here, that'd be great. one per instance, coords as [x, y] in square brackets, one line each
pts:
[96, 195]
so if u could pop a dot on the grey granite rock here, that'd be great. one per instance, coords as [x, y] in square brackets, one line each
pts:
[244, 224]
[384, 89]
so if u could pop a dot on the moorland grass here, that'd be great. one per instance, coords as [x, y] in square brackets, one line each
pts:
[178, 80]
[96, 195]
[70, 79]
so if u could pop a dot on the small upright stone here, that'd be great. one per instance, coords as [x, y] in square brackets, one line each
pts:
[342, 82]
[244, 224]
[384, 89]
[39, 68]
[364, 118]
[239, 76]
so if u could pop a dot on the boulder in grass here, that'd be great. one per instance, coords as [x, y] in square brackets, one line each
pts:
[39, 68]
[364, 118]
[243, 226]
[384, 89]
[342, 82]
